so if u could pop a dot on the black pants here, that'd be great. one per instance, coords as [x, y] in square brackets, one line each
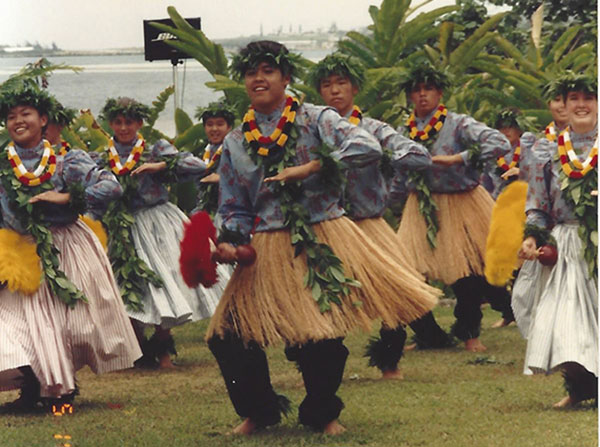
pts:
[470, 292]
[580, 383]
[246, 374]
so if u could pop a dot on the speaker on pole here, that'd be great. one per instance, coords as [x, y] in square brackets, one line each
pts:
[155, 48]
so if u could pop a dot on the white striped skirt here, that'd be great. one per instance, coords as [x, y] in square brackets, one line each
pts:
[564, 325]
[157, 234]
[40, 331]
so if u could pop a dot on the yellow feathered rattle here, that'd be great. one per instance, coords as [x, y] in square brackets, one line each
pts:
[19, 262]
[506, 234]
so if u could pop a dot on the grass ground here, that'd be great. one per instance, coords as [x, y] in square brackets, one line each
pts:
[447, 398]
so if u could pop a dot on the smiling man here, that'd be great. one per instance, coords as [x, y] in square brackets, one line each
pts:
[279, 186]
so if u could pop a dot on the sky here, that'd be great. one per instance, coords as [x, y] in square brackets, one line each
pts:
[101, 24]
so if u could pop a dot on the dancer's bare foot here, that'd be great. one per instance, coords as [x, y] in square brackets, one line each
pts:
[395, 374]
[247, 427]
[164, 362]
[334, 428]
[410, 347]
[565, 402]
[474, 345]
[501, 323]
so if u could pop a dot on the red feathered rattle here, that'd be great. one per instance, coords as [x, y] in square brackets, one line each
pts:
[197, 248]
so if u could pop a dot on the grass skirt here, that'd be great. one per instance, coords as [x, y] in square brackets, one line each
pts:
[564, 325]
[41, 331]
[267, 301]
[157, 233]
[464, 221]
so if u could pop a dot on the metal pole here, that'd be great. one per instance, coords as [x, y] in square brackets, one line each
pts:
[174, 63]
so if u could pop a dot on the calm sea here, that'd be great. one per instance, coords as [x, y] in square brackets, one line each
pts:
[126, 75]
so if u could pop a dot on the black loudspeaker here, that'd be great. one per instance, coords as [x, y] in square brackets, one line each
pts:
[155, 48]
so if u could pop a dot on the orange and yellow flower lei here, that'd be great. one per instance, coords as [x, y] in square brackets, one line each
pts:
[569, 161]
[41, 174]
[64, 147]
[280, 135]
[355, 116]
[434, 125]
[114, 160]
[501, 162]
[210, 161]
[550, 132]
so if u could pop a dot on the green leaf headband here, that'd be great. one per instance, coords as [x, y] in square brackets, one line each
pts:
[60, 115]
[24, 95]
[264, 51]
[570, 82]
[339, 64]
[216, 110]
[427, 74]
[127, 107]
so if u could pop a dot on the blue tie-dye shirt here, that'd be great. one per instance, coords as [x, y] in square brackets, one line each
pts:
[246, 201]
[366, 191]
[76, 166]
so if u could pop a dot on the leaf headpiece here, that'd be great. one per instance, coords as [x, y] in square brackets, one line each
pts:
[338, 64]
[127, 107]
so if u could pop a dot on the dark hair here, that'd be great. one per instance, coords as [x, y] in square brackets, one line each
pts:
[60, 115]
[216, 110]
[269, 51]
[127, 107]
[427, 74]
[339, 64]
[24, 95]
[570, 81]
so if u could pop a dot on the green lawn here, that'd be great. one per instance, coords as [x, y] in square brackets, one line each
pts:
[447, 398]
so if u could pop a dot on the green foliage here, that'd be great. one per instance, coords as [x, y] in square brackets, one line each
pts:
[578, 194]
[32, 220]
[132, 274]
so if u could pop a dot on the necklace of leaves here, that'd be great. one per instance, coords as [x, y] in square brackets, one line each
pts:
[32, 220]
[131, 272]
[325, 272]
[427, 206]
[577, 192]
[209, 192]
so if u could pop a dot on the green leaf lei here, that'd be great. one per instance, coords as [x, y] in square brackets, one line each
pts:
[32, 220]
[208, 199]
[427, 206]
[131, 272]
[578, 194]
[325, 276]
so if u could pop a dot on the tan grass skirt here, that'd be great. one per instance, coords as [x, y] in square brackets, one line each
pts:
[464, 222]
[268, 303]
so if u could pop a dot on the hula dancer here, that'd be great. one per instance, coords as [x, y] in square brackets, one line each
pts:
[533, 275]
[506, 169]
[301, 290]
[446, 218]
[218, 120]
[62, 310]
[338, 79]
[59, 117]
[145, 229]
[562, 204]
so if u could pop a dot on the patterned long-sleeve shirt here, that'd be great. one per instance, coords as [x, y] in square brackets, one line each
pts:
[456, 136]
[366, 191]
[493, 174]
[75, 167]
[207, 196]
[546, 205]
[243, 195]
[152, 189]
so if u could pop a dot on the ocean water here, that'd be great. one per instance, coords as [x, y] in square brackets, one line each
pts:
[106, 76]
[122, 75]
